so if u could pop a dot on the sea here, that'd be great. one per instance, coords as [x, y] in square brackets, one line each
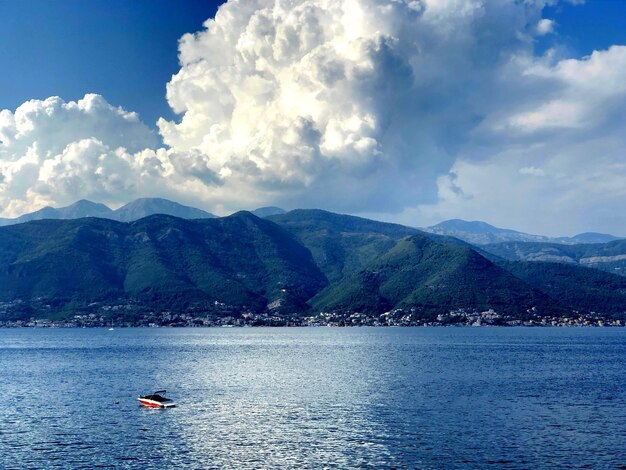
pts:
[423, 398]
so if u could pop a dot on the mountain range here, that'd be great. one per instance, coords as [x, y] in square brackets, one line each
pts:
[594, 250]
[609, 257]
[134, 210]
[482, 233]
[298, 262]
[163, 261]
[294, 262]
[473, 232]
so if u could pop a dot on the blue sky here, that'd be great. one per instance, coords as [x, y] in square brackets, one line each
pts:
[412, 111]
[125, 50]
[590, 26]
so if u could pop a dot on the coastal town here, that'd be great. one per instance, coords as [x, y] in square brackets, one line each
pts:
[127, 315]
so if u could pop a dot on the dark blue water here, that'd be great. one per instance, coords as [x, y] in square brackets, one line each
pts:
[314, 397]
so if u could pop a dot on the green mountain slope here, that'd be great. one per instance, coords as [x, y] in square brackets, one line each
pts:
[288, 263]
[341, 244]
[575, 286]
[433, 277]
[238, 260]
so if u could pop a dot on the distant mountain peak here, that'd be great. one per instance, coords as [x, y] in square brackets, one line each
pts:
[134, 210]
[150, 200]
[481, 233]
[86, 202]
[594, 237]
[83, 208]
[144, 207]
[268, 211]
[476, 226]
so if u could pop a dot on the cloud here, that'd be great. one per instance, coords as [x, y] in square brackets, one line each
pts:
[545, 26]
[414, 110]
[351, 105]
[54, 152]
[53, 123]
[572, 193]
[531, 170]
[585, 93]
[571, 134]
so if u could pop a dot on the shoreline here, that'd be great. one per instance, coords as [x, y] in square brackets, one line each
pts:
[56, 325]
[393, 318]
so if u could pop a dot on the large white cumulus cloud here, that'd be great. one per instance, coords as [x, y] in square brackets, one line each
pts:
[52, 151]
[347, 104]
[414, 110]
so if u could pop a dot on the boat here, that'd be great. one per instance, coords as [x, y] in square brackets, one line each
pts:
[156, 400]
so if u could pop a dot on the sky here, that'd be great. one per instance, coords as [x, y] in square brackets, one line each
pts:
[125, 50]
[411, 111]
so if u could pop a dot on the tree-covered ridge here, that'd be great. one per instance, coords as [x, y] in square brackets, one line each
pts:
[300, 263]
[239, 260]
[341, 244]
[578, 287]
[430, 276]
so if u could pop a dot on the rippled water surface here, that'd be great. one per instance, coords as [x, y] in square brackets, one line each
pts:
[314, 397]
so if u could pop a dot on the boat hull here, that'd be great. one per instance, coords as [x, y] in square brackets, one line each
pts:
[155, 404]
